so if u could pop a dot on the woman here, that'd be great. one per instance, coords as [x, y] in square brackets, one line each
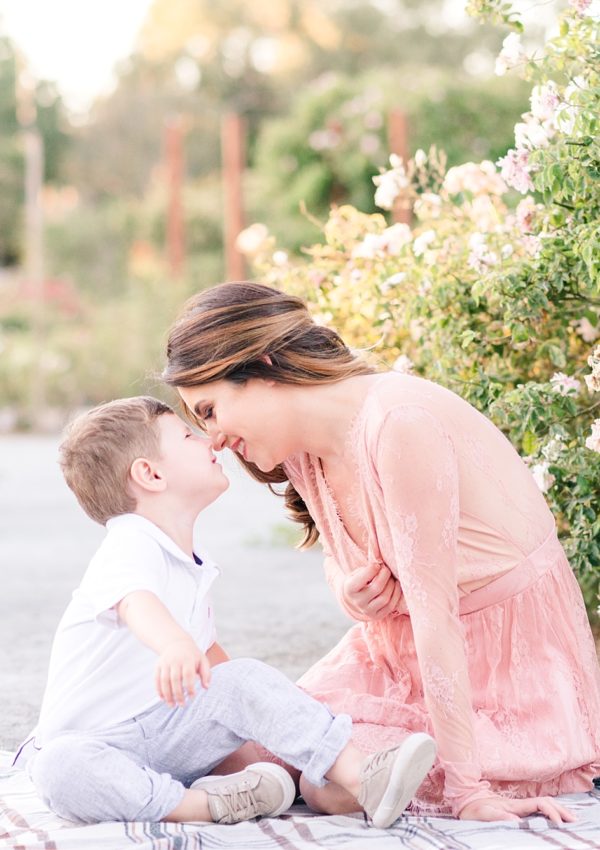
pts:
[437, 540]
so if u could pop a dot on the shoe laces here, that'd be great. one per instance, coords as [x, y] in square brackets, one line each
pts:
[238, 801]
[377, 760]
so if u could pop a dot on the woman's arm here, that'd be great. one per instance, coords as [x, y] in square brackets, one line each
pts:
[369, 593]
[418, 471]
[335, 579]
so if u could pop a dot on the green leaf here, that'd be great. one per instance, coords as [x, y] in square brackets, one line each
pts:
[530, 443]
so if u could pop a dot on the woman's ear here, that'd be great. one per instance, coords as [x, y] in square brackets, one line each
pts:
[266, 359]
[146, 474]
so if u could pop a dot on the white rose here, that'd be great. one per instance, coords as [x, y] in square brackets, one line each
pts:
[530, 134]
[586, 330]
[422, 241]
[404, 365]
[251, 240]
[593, 441]
[565, 384]
[511, 55]
[544, 101]
[542, 477]
[396, 237]
[280, 258]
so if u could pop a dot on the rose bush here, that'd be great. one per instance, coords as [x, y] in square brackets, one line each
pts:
[492, 294]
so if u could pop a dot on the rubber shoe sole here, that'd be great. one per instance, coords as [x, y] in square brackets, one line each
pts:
[289, 788]
[413, 762]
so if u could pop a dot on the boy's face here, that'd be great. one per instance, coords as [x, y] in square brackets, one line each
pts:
[188, 463]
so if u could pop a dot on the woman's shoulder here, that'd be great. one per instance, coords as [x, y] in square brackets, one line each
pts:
[400, 401]
[397, 390]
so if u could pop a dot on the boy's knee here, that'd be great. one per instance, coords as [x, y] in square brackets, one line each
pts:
[60, 766]
[249, 666]
[55, 759]
[240, 668]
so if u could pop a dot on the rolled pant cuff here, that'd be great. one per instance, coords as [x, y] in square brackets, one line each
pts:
[333, 742]
[167, 799]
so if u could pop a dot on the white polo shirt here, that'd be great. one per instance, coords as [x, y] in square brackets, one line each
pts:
[100, 673]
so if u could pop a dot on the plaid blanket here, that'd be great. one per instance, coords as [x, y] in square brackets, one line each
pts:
[25, 823]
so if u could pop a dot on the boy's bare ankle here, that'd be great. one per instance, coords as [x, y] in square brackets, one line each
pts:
[193, 807]
[345, 770]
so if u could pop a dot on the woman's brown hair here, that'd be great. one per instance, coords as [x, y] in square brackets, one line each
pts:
[237, 331]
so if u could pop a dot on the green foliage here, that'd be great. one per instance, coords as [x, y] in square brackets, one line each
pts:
[98, 245]
[106, 349]
[472, 120]
[11, 180]
[334, 138]
[103, 338]
[500, 304]
[50, 122]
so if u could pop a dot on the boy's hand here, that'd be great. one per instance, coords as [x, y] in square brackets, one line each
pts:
[179, 663]
[374, 590]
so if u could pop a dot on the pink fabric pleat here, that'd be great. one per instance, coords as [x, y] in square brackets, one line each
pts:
[531, 660]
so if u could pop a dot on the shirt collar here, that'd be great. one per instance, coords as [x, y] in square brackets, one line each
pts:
[152, 530]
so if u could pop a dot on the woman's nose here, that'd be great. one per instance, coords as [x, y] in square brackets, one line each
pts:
[217, 439]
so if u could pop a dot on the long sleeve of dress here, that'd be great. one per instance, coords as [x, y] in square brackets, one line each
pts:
[417, 466]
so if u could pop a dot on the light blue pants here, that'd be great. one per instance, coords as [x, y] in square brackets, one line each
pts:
[138, 770]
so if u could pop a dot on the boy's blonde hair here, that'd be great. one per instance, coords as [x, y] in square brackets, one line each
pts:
[99, 447]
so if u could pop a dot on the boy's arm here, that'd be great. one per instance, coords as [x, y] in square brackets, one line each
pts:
[216, 654]
[179, 658]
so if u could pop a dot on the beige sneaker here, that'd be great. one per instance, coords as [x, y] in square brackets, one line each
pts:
[389, 779]
[261, 789]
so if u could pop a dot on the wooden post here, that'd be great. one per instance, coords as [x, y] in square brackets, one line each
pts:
[175, 228]
[34, 265]
[233, 159]
[398, 144]
[33, 155]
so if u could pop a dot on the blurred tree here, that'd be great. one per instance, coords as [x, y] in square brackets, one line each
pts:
[199, 58]
[334, 138]
[11, 160]
[52, 125]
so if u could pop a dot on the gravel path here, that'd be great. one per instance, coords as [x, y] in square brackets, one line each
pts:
[272, 601]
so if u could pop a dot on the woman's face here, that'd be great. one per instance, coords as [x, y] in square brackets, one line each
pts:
[247, 418]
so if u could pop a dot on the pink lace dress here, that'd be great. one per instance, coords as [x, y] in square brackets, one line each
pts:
[490, 651]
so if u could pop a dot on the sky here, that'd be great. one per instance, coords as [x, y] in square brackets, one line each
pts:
[77, 43]
[74, 42]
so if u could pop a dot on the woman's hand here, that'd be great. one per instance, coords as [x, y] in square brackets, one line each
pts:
[179, 664]
[503, 808]
[374, 590]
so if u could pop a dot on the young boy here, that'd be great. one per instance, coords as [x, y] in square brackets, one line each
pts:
[124, 731]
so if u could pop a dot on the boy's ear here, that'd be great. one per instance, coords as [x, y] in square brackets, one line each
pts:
[147, 475]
